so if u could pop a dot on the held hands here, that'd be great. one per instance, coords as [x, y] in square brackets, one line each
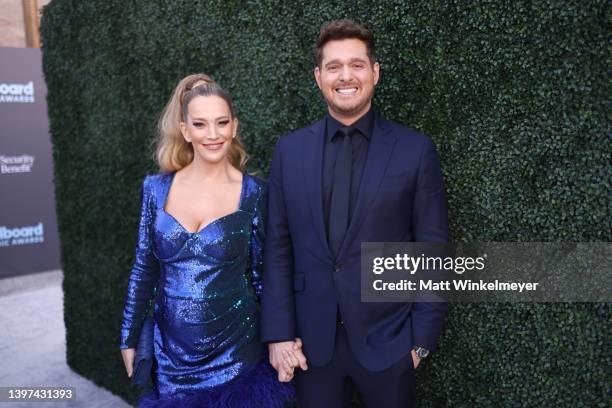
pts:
[128, 359]
[285, 356]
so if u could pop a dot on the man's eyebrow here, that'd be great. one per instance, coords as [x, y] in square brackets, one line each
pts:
[332, 62]
[352, 60]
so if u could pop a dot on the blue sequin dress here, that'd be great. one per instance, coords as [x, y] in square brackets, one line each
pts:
[206, 340]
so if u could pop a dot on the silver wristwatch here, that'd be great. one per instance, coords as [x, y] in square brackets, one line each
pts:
[421, 352]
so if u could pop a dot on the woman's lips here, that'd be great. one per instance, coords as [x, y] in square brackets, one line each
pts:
[213, 146]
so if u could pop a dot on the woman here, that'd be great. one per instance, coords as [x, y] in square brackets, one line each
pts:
[199, 251]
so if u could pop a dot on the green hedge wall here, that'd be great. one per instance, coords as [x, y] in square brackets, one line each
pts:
[516, 95]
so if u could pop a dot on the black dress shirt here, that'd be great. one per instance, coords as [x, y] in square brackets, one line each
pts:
[360, 142]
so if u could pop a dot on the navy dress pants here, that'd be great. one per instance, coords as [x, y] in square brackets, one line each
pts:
[330, 386]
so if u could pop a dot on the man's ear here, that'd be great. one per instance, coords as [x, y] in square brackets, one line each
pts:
[376, 69]
[317, 75]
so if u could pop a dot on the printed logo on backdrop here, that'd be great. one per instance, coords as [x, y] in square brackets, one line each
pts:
[17, 93]
[16, 164]
[24, 235]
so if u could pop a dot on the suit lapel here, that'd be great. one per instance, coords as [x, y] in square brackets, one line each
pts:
[313, 182]
[379, 153]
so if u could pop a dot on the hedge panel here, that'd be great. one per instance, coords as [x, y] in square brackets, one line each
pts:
[516, 96]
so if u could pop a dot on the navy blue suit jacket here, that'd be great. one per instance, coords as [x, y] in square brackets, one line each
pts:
[401, 198]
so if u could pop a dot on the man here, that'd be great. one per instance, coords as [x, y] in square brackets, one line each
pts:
[352, 177]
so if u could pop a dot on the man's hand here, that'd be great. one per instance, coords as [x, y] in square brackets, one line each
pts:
[415, 359]
[285, 356]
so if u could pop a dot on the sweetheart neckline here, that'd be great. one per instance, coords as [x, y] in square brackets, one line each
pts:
[203, 228]
[238, 210]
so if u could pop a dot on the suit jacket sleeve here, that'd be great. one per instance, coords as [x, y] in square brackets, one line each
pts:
[277, 301]
[144, 275]
[430, 223]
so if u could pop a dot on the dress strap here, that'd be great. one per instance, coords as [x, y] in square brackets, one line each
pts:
[163, 190]
[242, 203]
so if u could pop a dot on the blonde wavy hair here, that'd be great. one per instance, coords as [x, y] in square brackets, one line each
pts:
[173, 152]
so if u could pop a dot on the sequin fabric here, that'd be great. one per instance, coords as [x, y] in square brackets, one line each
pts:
[205, 285]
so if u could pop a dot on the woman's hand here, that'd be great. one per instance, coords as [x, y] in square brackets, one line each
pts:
[128, 359]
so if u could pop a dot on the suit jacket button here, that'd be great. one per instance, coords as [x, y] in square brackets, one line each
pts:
[337, 268]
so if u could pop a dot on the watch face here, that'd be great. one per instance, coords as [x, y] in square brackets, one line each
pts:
[421, 352]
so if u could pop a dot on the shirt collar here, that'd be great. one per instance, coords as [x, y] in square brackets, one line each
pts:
[363, 125]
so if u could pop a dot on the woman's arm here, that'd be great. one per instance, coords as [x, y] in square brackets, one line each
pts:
[144, 275]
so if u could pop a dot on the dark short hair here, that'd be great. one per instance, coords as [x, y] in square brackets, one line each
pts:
[343, 30]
